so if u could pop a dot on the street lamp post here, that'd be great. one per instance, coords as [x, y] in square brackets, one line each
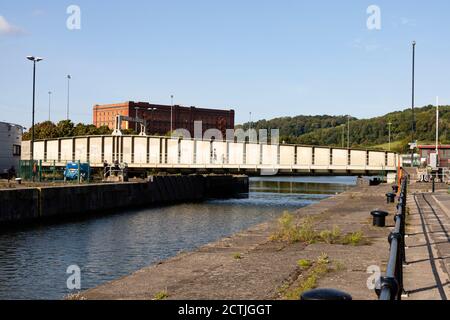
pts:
[68, 94]
[413, 102]
[151, 119]
[49, 104]
[437, 126]
[171, 114]
[390, 124]
[35, 60]
[137, 118]
[250, 121]
[348, 132]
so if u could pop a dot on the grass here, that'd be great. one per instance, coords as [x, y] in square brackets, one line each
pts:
[330, 236]
[237, 256]
[319, 268]
[305, 232]
[162, 295]
[395, 145]
[304, 263]
[291, 232]
[355, 239]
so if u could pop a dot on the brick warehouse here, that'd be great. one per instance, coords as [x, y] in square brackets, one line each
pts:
[159, 119]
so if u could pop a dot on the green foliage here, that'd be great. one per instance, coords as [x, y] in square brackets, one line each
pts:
[304, 263]
[292, 232]
[161, 295]
[237, 256]
[64, 128]
[293, 127]
[320, 268]
[354, 239]
[330, 236]
[364, 133]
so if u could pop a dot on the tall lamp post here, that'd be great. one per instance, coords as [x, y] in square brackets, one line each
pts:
[348, 132]
[171, 114]
[35, 60]
[68, 94]
[437, 126]
[49, 104]
[151, 119]
[390, 124]
[413, 102]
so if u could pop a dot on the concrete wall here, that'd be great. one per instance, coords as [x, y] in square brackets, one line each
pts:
[18, 204]
[64, 201]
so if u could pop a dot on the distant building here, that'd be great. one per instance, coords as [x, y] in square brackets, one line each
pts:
[159, 117]
[426, 151]
[10, 146]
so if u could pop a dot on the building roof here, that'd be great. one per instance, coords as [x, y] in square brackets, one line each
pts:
[12, 124]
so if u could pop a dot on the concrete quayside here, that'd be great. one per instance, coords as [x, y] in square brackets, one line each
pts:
[346, 252]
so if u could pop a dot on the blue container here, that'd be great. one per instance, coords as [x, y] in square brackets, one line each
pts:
[71, 171]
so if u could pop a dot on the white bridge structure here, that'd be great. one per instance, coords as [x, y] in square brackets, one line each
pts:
[178, 154]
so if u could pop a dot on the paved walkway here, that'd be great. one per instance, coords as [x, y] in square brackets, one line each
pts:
[428, 253]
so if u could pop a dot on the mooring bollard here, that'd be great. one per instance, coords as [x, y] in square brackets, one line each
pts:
[325, 294]
[391, 197]
[395, 189]
[379, 218]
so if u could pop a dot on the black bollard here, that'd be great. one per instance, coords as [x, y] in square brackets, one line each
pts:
[379, 218]
[395, 189]
[433, 179]
[391, 197]
[325, 294]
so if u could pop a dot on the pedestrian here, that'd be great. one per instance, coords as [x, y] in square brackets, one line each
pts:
[34, 171]
[105, 169]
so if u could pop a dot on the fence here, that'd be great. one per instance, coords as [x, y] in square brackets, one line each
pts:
[392, 283]
[35, 170]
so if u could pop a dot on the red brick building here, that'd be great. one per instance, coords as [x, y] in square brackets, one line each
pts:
[444, 154]
[158, 117]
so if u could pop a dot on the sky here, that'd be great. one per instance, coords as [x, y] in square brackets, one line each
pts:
[270, 58]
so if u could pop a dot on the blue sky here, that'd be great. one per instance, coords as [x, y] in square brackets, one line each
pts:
[271, 58]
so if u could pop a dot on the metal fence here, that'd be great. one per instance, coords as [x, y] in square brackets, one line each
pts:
[36, 171]
[392, 283]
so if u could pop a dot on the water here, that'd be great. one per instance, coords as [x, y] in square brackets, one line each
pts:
[34, 260]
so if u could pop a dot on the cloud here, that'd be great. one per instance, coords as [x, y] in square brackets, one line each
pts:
[38, 13]
[407, 22]
[8, 29]
[366, 46]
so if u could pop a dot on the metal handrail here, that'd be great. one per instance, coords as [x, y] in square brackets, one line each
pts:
[392, 283]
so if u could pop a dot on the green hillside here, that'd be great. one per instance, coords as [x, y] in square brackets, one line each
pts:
[328, 130]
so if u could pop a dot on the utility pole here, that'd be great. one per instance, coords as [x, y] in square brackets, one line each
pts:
[390, 124]
[171, 114]
[68, 95]
[348, 132]
[49, 104]
[437, 126]
[413, 102]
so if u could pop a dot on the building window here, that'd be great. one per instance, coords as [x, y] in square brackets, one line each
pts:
[17, 150]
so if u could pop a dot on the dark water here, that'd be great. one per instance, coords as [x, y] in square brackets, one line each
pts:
[33, 261]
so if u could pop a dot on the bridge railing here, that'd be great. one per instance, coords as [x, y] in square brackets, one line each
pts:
[392, 283]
